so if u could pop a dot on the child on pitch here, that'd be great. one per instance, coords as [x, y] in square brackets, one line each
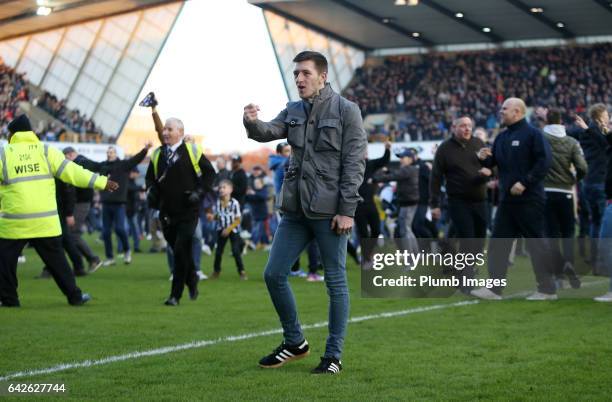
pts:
[227, 216]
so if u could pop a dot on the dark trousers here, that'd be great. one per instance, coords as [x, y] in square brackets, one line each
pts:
[71, 249]
[51, 252]
[113, 215]
[368, 227]
[560, 224]
[469, 221]
[583, 220]
[422, 227]
[81, 211]
[514, 220]
[179, 235]
[314, 258]
[595, 195]
[237, 245]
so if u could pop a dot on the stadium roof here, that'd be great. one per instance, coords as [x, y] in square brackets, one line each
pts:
[21, 17]
[381, 24]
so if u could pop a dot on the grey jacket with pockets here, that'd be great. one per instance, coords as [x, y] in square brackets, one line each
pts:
[328, 155]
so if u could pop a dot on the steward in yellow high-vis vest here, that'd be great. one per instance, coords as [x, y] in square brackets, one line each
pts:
[28, 208]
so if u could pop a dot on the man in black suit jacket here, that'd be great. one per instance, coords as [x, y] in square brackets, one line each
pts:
[176, 189]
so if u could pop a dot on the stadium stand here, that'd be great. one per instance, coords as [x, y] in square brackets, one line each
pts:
[425, 92]
[59, 123]
[13, 89]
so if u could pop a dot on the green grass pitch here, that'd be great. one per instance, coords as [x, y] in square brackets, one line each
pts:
[509, 350]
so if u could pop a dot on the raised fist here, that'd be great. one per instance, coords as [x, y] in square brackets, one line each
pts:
[250, 112]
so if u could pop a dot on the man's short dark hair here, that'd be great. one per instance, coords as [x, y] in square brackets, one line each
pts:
[319, 60]
[553, 116]
[280, 147]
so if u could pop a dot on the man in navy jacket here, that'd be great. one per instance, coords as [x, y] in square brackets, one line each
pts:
[522, 157]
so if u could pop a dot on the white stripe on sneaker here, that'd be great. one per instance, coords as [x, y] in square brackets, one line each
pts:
[303, 344]
[288, 353]
[279, 357]
[332, 369]
[284, 356]
[333, 366]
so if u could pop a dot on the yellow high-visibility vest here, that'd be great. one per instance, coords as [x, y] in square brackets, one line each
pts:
[28, 208]
[194, 151]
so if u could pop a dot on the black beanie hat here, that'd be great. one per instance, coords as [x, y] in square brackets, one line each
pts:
[19, 123]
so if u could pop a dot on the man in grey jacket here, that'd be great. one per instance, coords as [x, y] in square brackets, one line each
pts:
[558, 185]
[318, 199]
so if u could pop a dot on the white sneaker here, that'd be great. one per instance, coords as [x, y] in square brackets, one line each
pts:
[108, 262]
[201, 275]
[542, 296]
[206, 249]
[486, 294]
[127, 257]
[315, 278]
[21, 259]
[607, 298]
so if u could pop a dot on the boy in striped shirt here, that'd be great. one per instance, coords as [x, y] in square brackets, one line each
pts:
[227, 215]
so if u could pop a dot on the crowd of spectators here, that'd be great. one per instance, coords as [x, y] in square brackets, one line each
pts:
[72, 118]
[14, 89]
[426, 92]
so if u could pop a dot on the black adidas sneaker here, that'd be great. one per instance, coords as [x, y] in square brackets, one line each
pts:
[328, 365]
[285, 353]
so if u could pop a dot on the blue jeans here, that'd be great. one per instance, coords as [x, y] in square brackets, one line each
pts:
[113, 215]
[134, 230]
[595, 195]
[292, 236]
[404, 231]
[605, 238]
[259, 232]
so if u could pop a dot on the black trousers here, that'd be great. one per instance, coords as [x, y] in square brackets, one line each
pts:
[69, 245]
[560, 224]
[367, 221]
[514, 220]
[179, 235]
[469, 220]
[237, 245]
[51, 252]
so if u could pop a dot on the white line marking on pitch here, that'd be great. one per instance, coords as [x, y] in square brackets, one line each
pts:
[202, 344]
[234, 338]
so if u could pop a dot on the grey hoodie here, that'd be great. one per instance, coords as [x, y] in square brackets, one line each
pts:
[566, 152]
